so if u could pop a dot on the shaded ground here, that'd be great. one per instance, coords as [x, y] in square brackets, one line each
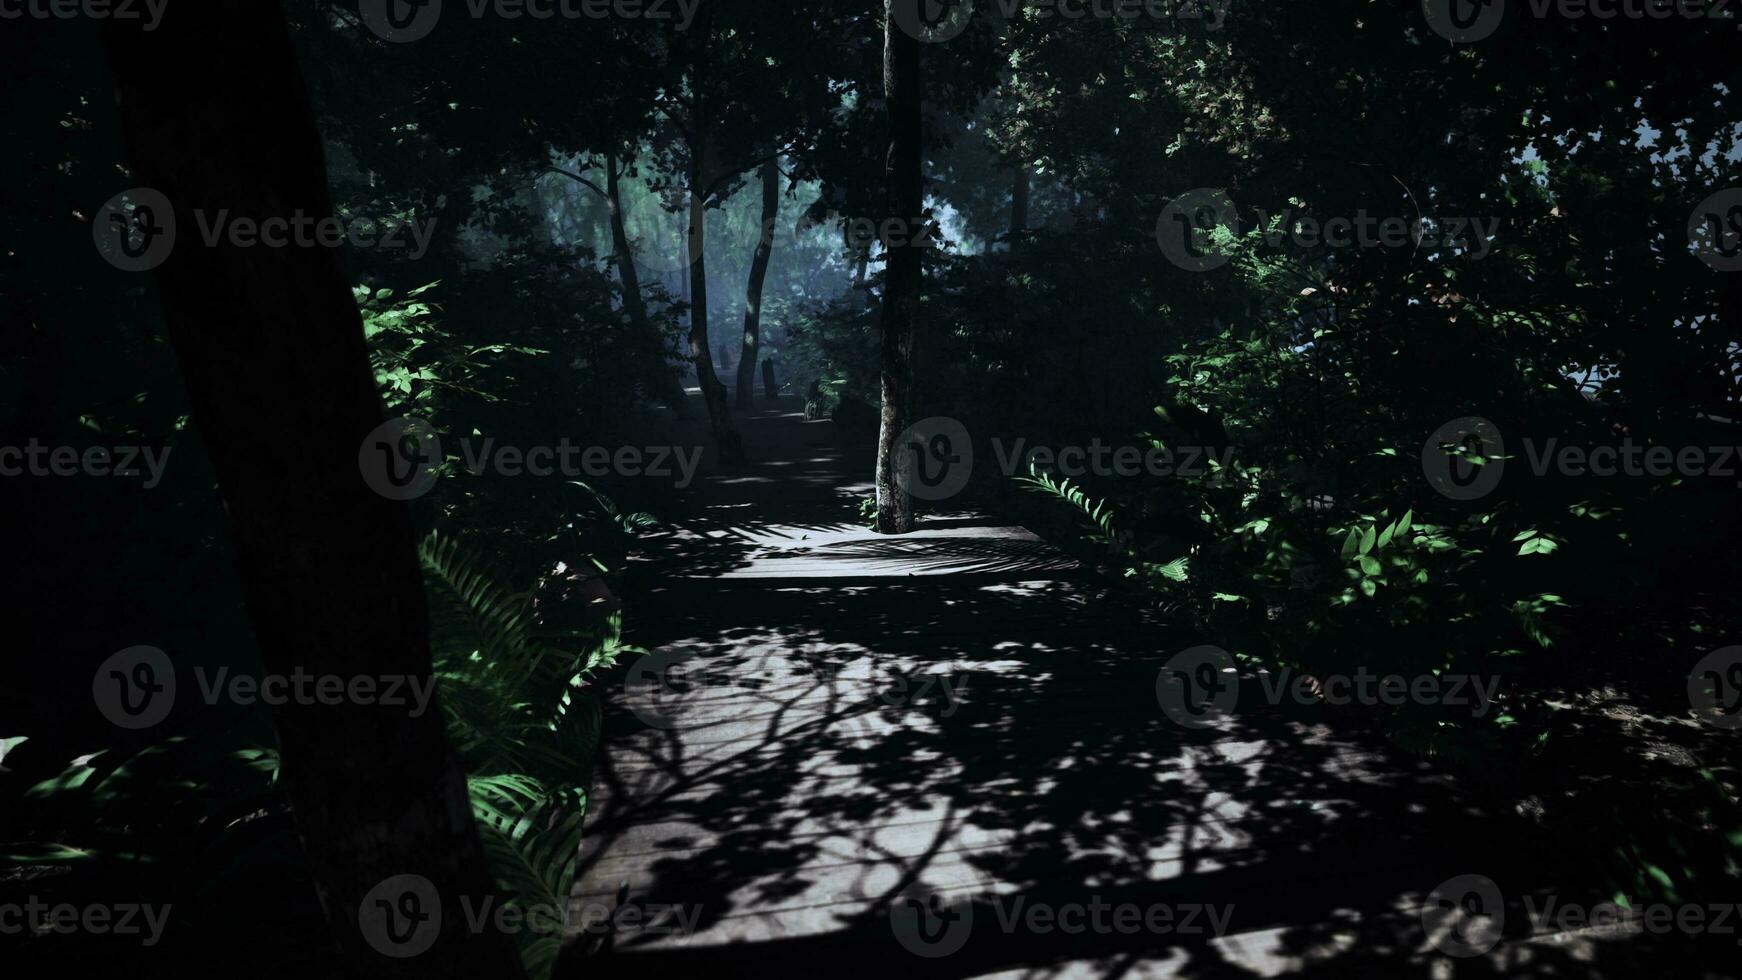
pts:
[836, 732]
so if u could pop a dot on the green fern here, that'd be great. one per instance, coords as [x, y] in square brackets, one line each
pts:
[516, 702]
[532, 839]
[1099, 513]
[522, 717]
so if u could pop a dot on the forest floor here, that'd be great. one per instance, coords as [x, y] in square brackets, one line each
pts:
[852, 728]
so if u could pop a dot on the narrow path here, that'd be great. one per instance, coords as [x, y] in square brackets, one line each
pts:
[851, 721]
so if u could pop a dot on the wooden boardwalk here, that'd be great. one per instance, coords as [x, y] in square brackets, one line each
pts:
[836, 731]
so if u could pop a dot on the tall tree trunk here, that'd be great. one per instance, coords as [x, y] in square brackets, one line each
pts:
[753, 292]
[1019, 202]
[713, 392]
[633, 303]
[668, 389]
[901, 87]
[269, 341]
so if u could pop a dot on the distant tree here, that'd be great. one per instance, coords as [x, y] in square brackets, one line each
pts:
[901, 86]
[758, 276]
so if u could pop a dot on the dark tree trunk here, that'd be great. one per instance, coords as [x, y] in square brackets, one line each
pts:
[753, 292]
[713, 392]
[1019, 202]
[269, 341]
[901, 87]
[669, 390]
[633, 304]
[860, 265]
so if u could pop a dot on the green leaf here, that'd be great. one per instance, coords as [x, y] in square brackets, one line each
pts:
[8, 744]
[1351, 544]
[33, 852]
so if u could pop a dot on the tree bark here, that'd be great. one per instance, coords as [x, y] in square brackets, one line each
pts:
[860, 265]
[713, 392]
[633, 304]
[1019, 202]
[753, 292]
[667, 389]
[901, 87]
[269, 341]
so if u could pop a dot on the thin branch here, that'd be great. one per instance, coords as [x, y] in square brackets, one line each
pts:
[577, 177]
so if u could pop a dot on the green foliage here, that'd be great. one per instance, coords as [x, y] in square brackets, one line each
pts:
[420, 364]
